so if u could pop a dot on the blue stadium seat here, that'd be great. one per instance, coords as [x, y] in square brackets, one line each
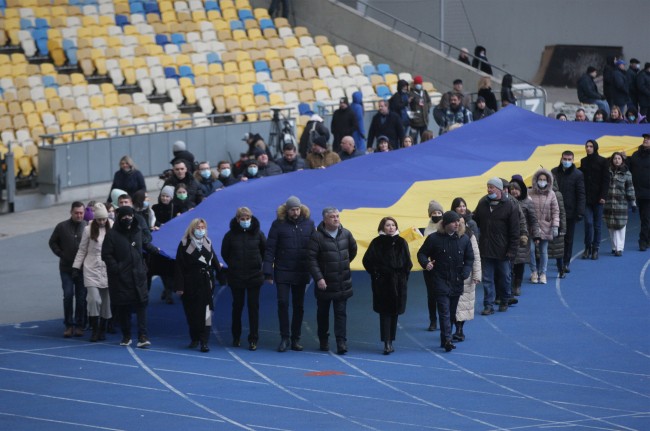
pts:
[49, 82]
[71, 53]
[26, 24]
[42, 23]
[186, 72]
[383, 91]
[137, 8]
[259, 89]
[261, 66]
[370, 69]
[305, 109]
[178, 39]
[383, 69]
[236, 25]
[152, 7]
[212, 5]
[213, 57]
[161, 39]
[121, 20]
[75, 3]
[170, 72]
[245, 14]
[266, 23]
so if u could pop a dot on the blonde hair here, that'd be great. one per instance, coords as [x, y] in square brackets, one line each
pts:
[242, 211]
[484, 82]
[130, 161]
[193, 224]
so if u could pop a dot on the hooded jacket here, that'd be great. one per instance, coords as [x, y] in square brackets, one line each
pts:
[329, 259]
[596, 174]
[545, 205]
[526, 208]
[344, 123]
[481, 62]
[359, 133]
[399, 103]
[285, 257]
[243, 251]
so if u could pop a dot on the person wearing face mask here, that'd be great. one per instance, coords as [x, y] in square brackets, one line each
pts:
[435, 217]
[447, 259]
[420, 106]
[497, 216]
[142, 207]
[196, 264]
[480, 60]
[226, 176]
[388, 261]
[181, 200]
[571, 184]
[207, 180]
[632, 116]
[547, 212]
[251, 172]
[596, 176]
[89, 259]
[161, 265]
[600, 116]
[182, 175]
[127, 275]
[242, 250]
[128, 178]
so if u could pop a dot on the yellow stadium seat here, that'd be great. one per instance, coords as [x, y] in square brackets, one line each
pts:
[190, 95]
[276, 99]
[251, 24]
[244, 89]
[281, 22]
[167, 17]
[229, 14]
[247, 78]
[270, 33]
[246, 66]
[260, 13]
[230, 67]
[239, 35]
[220, 24]
[291, 42]
[229, 90]
[224, 35]
[242, 4]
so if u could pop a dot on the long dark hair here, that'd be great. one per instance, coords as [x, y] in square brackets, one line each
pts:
[94, 229]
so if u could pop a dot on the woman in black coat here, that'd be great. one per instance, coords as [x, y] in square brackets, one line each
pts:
[388, 261]
[242, 249]
[128, 178]
[194, 281]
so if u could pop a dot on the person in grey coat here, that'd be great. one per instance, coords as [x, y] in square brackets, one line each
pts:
[329, 253]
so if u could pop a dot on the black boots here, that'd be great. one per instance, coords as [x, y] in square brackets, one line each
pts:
[594, 254]
[284, 345]
[448, 346]
[587, 253]
[459, 335]
[516, 289]
[94, 324]
[388, 347]
[432, 326]
[205, 336]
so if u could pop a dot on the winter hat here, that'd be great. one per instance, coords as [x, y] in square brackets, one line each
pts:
[116, 193]
[321, 141]
[246, 137]
[123, 211]
[434, 206]
[292, 202]
[344, 100]
[619, 62]
[417, 80]
[496, 182]
[100, 210]
[383, 138]
[449, 217]
[167, 191]
[517, 177]
[480, 99]
[258, 152]
[89, 214]
[179, 146]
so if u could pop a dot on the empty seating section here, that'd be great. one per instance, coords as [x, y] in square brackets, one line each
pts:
[80, 65]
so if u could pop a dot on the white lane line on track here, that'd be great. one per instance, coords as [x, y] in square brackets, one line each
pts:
[349, 395]
[82, 379]
[644, 288]
[212, 376]
[278, 385]
[34, 418]
[490, 322]
[278, 406]
[117, 406]
[163, 382]
[454, 388]
[76, 359]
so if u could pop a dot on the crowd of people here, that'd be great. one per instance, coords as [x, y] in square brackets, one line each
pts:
[106, 265]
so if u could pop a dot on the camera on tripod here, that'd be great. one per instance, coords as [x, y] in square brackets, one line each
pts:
[281, 132]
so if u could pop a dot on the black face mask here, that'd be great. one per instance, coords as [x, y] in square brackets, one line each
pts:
[125, 222]
[436, 219]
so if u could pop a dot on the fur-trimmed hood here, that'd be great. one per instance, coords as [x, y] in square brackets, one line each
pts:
[282, 211]
[548, 174]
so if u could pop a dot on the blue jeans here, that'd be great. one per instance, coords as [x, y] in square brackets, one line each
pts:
[543, 256]
[593, 222]
[74, 300]
[602, 104]
[496, 280]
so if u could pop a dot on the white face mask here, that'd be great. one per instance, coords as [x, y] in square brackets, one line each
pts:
[225, 172]
[542, 184]
[199, 233]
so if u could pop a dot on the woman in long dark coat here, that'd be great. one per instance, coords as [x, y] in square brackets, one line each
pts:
[388, 262]
[242, 249]
[196, 264]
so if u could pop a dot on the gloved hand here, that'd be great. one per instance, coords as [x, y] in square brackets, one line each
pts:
[555, 231]
[76, 274]
[633, 206]
[523, 240]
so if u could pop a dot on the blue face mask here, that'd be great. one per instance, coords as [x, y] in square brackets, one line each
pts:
[205, 173]
[199, 233]
[631, 118]
[418, 87]
[566, 164]
[225, 172]
[145, 204]
[252, 171]
[492, 196]
[245, 223]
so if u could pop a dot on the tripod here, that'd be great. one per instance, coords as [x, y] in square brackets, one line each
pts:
[281, 133]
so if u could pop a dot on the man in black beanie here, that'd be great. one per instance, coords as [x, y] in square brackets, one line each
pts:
[447, 260]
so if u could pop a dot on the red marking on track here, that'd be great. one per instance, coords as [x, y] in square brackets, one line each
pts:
[325, 373]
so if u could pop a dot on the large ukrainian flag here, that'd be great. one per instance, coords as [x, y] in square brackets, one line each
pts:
[401, 183]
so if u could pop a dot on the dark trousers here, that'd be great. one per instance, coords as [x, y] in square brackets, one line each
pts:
[275, 4]
[238, 297]
[387, 326]
[74, 300]
[431, 304]
[593, 223]
[518, 272]
[323, 318]
[568, 240]
[644, 216]
[297, 292]
[124, 313]
[447, 306]
[416, 134]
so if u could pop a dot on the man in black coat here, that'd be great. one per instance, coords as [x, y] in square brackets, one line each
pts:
[588, 90]
[643, 90]
[447, 260]
[290, 160]
[182, 174]
[386, 123]
[225, 173]
[571, 184]
[344, 123]
[127, 274]
[348, 149]
[639, 164]
[329, 253]
[497, 217]
[620, 87]
[595, 171]
[64, 242]
[285, 262]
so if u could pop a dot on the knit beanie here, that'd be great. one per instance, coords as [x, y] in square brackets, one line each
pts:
[434, 206]
[496, 182]
[100, 210]
[179, 146]
[449, 217]
[292, 202]
[167, 191]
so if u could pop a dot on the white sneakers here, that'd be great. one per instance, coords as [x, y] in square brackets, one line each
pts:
[542, 278]
[534, 278]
